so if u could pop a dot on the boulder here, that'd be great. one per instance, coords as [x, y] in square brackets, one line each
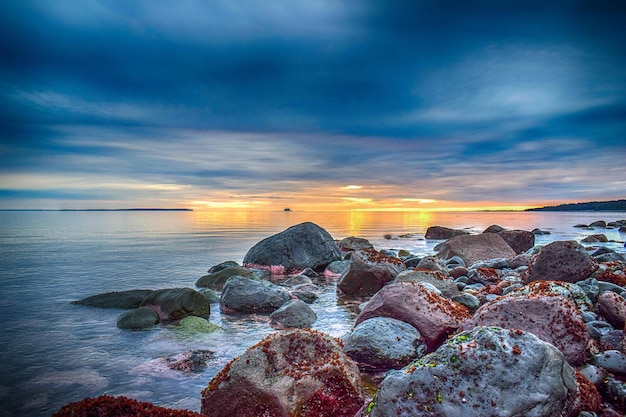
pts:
[293, 373]
[613, 308]
[437, 279]
[305, 245]
[441, 233]
[293, 314]
[383, 343]
[572, 292]
[175, 303]
[368, 272]
[433, 263]
[565, 260]
[494, 228]
[519, 240]
[554, 319]
[116, 299]
[245, 295]
[352, 243]
[598, 223]
[223, 265]
[216, 280]
[434, 316]
[484, 372]
[138, 318]
[473, 248]
[595, 238]
[107, 406]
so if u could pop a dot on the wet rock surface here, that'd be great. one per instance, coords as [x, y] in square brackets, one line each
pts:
[368, 271]
[245, 295]
[473, 248]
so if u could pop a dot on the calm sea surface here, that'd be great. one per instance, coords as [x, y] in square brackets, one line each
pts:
[53, 352]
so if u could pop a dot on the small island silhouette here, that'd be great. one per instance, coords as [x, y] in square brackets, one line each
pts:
[613, 205]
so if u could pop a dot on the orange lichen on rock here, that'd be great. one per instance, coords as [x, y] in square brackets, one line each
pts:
[107, 406]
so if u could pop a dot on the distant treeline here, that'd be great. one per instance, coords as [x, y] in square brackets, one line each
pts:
[614, 205]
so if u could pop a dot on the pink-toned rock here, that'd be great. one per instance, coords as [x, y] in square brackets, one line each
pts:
[554, 319]
[473, 248]
[441, 232]
[565, 260]
[353, 243]
[519, 240]
[295, 373]
[613, 308]
[435, 317]
[368, 272]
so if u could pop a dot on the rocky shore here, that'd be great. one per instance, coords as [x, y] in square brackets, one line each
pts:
[488, 325]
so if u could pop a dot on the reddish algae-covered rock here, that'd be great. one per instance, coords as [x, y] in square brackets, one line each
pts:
[564, 260]
[473, 248]
[107, 406]
[300, 373]
[435, 317]
[613, 308]
[368, 272]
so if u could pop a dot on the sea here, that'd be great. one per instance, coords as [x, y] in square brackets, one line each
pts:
[53, 352]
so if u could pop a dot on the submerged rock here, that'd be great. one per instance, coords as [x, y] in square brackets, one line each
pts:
[440, 232]
[116, 299]
[216, 280]
[175, 303]
[138, 318]
[473, 248]
[293, 314]
[294, 373]
[107, 406]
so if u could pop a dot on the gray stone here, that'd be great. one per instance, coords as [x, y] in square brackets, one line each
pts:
[432, 263]
[613, 361]
[175, 303]
[216, 280]
[305, 245]
[604, 286]
[116, 299]
[138, 318]
[468, 300]
[446, 286]
[594, 374]
[591, 287]
[353, 243]
[244, 295]
[337, 267]
[293, 314]
[440, 232]
[382, 343]
[223, 265]
[525, 376]
[614, 391]
[598, 328]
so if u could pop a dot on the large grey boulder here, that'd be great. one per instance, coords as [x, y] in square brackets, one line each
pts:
[519, 240]
[383, 343]
[368, 271]
[293, 314]
[474, 248]
[305, 245]
[564, 260]
[293, 373]
[116, 299]
[484, 372]
[245, 295]
[176, 303]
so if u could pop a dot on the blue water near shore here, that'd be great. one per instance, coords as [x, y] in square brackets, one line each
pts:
[53, 352]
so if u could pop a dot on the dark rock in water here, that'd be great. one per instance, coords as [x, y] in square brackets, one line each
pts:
[190, 361]
[473, 248]
[434, 316]
[211, 295]
[596, 238]
[599, 223]
[368, 272]
[107, 406]
[293, 314]
[382, 343]
[352, 243]
[494, 228]
[581, 226]
[299, 247]
[294, 373]
[217, 279]
[223, 265]
[613, 308]
[440, 232]
[519, 240]
[525, 376]
[554, 319]
[540, 232]
[176, 303]
[337, 267]
[561, 261]
[138, 318]
[244, 295]
[117, 299]
[437, 279]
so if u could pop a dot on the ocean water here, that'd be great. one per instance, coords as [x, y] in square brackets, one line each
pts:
[53, 352]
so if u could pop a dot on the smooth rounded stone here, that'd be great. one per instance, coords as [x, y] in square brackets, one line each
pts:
[612, 307]
[599, 223]
[437, 279]
[557, 288]
[117, 299]
[610, 257]
[474, 248]
[613, 340]
[468, 300]
[458, 271]
[138, 318]
[305, 245]
[496, 263]
[511, 288]
[337, 267]
[106, 405]
[291, 373]
[304, 295]
[223, 265]
[441, 232]
[521, 260]
[540, 232]
[368, 272]
[175, 303]
[565, 260]
[614, 391]
[554, 319]
[482, 275]
[526, 376]
[491, 297]
[595, 238]
[211, 295]
[197, 324]
[310, 273]
[613, 361]
[245, 295]
[412, 261]
[589, 316]
[353, 243]
[433, 264]
[403, 253]
[604, 286]
[591, 287]
[494, 228]
[216, 280]
[455, 261]
[389, 252]
[474, 288]
[293, 314]
[297, 280]
[462, 279]
[598, 328]
[435, 317]
[383, 343]
[594, 374]
[519, 240]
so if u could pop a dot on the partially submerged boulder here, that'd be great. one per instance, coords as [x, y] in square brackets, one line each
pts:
[473, 248]
[482, 372]
[294, 373]
[565, 260]
[293, 314]
[138, 318]
[175, 303]
[305, 245]
[245, 295]
[216, 280]
[441, 232]
[368, 271]
[116, 299]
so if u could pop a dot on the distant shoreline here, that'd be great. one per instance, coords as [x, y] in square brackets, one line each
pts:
[129, 209]
[613, 205]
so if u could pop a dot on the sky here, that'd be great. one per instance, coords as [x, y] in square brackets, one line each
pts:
[311, 104]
